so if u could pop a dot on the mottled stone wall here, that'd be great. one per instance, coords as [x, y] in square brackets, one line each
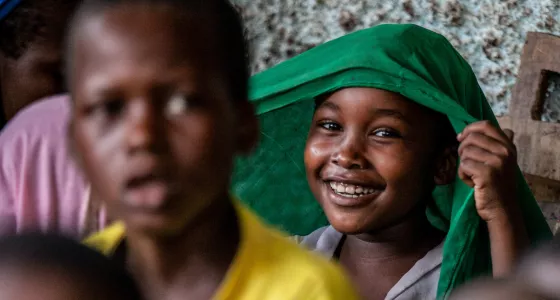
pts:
[489, 33]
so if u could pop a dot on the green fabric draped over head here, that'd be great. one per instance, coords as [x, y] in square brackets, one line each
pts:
[417, 63]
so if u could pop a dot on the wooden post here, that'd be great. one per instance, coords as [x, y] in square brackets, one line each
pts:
[538, 143]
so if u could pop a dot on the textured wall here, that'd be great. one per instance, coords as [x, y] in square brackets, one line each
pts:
[489, 33]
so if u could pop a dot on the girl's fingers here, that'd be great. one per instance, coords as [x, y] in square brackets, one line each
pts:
[465, 177]
[475, 173]
[475, 153]
[486, 128]
[487, 143]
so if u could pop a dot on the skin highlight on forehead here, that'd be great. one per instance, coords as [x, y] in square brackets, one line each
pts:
[163, 60]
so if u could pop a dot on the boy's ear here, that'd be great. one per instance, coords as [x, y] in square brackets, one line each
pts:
[71, 143]
[446, 166]
[248, 128]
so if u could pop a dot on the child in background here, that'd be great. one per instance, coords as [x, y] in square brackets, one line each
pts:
[495, 289]
[536, 277]
[36, 267]
[31, 41]
[540, 270]
[160, 109]
[405, 156]
[41, 188]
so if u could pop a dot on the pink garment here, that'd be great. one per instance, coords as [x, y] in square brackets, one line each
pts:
[41, 189]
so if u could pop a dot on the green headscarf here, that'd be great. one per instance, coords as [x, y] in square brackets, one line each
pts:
[406, 59]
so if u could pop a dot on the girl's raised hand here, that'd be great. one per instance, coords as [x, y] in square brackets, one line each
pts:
[488, 164]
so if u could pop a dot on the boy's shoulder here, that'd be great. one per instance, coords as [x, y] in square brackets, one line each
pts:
[288, 267]
[106, 240]
[267, 266]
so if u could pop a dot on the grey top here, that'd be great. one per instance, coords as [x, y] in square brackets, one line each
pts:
[420, 282]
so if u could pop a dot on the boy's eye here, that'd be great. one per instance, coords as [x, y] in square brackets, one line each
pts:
[113, 108]
[176, 105]
[109, 109]
[179, 104]
[386, 133]
[330, 126]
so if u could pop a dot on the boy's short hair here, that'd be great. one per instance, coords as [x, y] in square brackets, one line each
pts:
[231, 40]
[29, 21]
[74, 259]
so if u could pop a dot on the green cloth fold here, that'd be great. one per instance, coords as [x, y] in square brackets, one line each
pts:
[407, 59]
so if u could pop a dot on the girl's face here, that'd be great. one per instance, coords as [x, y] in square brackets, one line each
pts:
[370, 158]
[154, 123]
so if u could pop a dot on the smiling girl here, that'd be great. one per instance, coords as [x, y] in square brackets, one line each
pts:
[405, 157]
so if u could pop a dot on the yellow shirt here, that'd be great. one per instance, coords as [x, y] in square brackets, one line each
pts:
[266, 267]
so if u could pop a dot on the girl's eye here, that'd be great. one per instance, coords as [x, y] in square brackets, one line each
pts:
[178, 104]
[330, 126]
[386, 133]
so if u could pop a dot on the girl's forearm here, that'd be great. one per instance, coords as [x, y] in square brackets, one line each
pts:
[508, 239]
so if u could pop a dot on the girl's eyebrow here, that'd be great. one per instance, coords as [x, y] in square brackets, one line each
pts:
[383, 112]
[388, 112]
[375, 112]
[328, 104]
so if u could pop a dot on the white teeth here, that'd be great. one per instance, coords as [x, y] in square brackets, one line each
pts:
[340, 189]
[349, 190]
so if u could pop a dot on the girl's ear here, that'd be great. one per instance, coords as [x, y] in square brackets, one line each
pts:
[446, 166]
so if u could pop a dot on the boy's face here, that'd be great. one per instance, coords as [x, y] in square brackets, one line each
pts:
[370, 158]
[154, 124]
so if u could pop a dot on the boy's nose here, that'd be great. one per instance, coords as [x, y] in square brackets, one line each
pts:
[142, 124]
[349, 155]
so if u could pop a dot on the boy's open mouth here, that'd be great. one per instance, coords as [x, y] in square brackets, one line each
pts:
[147, 191]
[350, 190]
